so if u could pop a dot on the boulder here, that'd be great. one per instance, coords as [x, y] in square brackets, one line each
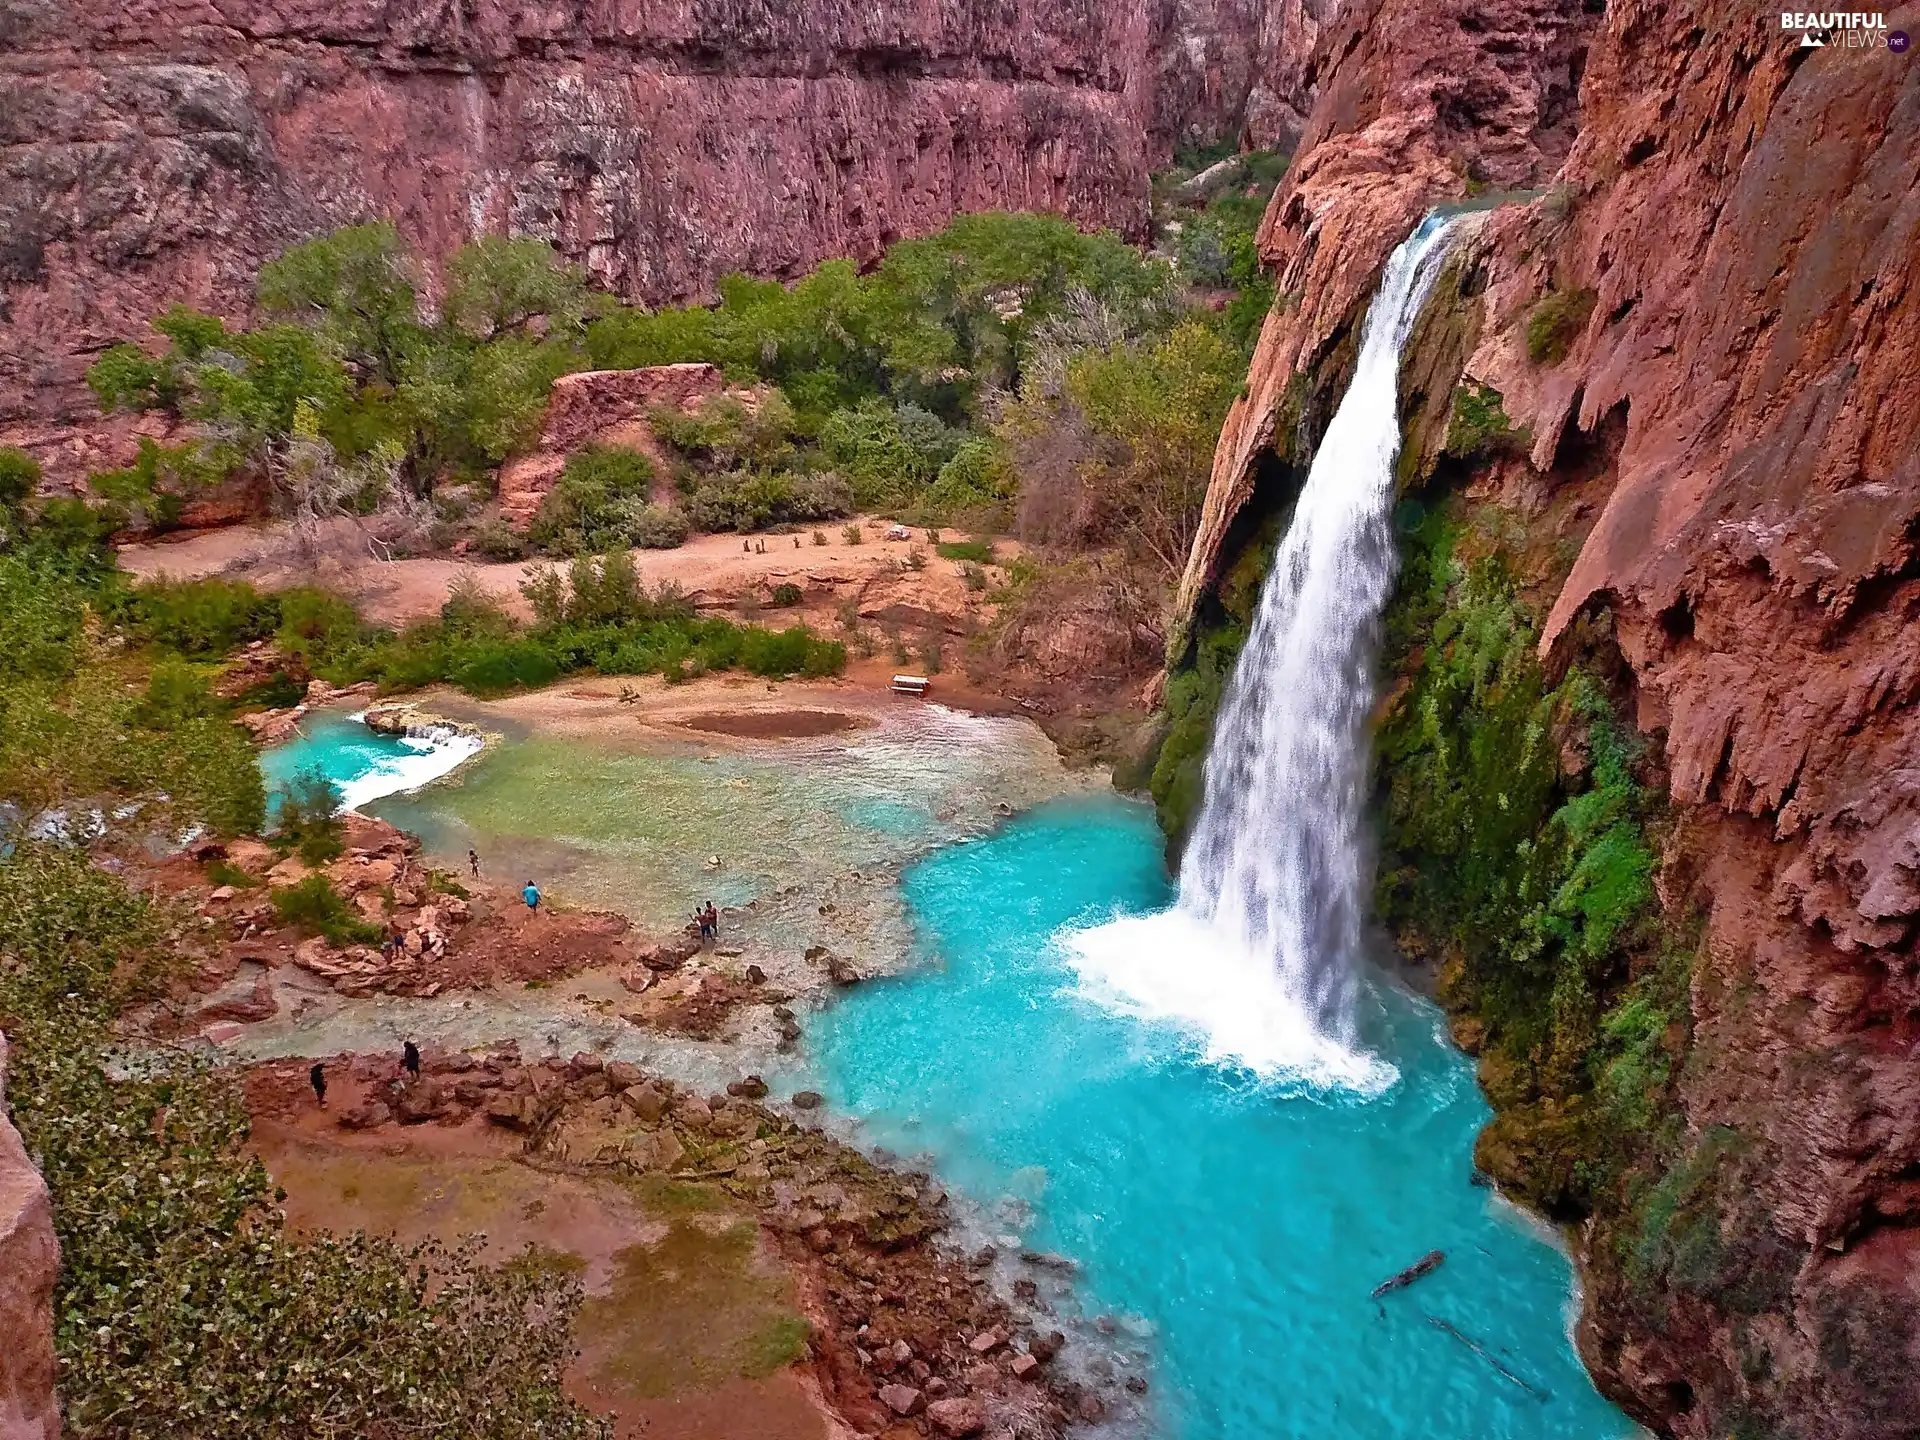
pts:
[625, 1074]
[694, 1115]
[751, 1088]
[808, 1100]
[367, 1115]
[957, 1416]
[987, 1341]
[513, 1112]
[1024, 1366]
[290, 871]
[425, 1099]
[645, 1101]
[902, 1400]
[1044, 1347]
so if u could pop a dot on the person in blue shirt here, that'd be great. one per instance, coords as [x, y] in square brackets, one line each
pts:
[532, 896]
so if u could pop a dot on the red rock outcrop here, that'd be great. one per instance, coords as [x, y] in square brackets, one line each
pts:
[609, 406]
[29, 1265]
[161, 153]
[1736, 231]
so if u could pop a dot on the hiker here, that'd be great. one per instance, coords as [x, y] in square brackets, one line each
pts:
[473, 863]
[317, 1077]
[710, 921]
[410, 1057]
[531, 894]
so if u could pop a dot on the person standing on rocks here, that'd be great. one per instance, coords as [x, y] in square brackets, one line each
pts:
[473, 863]
[317, 1077]
[410, 1057]
[531, 894]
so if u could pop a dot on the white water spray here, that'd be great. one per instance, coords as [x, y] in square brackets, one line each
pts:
[1260, 956]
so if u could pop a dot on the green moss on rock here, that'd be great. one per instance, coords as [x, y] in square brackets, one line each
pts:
[1555, 323]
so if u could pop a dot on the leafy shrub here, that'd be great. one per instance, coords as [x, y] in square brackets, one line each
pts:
[601, 492]
[973, 577]
[887, 453]
[498, 540]
[748, 500]
[978, 552]
[322, 628]
[820, 538]
[306, 816]
[725, 432]
[786, 593]
[852, 534]
[201, 617]
[1477, 423]
[1556, 322]
[659, 527]
[314, 907]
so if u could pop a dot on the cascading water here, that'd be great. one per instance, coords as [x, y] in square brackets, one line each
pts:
[1260, 953]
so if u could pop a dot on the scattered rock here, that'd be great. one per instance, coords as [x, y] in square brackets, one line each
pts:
[368, 1115]
[222, 1032]
[1136, 1384]
[755, 975]
[958, 1416]
[625, 1074]
[1023, 1366]
[987, 1341]
[1044, 1347]
[902, 1400]
[808, 1099]
[751, 1088]
[645, 1101]
[1091, 1409]
[841, 972]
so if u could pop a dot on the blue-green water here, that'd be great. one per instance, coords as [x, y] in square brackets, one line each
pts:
[1233, 1226]
[1236, 1225]
[363, 764]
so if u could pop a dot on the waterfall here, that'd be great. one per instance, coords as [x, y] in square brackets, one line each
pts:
[1261, 953]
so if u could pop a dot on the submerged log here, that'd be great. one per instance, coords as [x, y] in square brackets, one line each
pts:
[1425, 1265]
[1487, 1355]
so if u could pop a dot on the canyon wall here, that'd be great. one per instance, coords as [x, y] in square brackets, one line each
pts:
[160, 153]
[29, 1265]
[1720, 277]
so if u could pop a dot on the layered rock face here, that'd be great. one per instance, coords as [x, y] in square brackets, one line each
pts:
[1729, 251]
[29, 1265]
[161, 153]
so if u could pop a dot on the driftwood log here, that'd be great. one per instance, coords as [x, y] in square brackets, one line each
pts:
[1425, 1265]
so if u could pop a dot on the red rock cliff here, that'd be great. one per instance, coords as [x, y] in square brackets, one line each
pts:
[159, 152]
[29, 1265]
[1742, 218]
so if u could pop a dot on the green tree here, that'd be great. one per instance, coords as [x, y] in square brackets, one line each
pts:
[500, 284]
[1155, 411]
[357, 285]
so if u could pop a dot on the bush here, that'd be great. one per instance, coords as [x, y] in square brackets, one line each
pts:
[597, 503]
[786, 593]
[498, 540]
[974, 578]
[201, 617]
[306, 816]
[314, 907]
[978, 552]
[1556, 322]
[322, 628]
[852, 534]
[748, 500]
[659, 527]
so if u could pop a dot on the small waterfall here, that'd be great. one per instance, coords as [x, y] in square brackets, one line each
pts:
[1261, 952]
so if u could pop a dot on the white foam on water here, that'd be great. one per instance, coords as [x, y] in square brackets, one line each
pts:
[431, 753]
[1177, 969]
[1262, 951]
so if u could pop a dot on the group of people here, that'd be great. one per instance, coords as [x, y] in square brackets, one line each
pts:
[708, 919]
[529, 892]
